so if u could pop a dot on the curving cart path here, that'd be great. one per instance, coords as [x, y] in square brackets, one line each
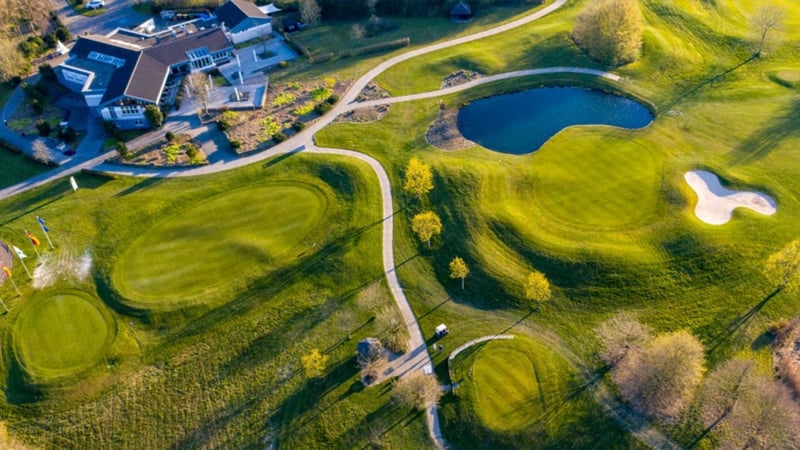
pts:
[417, 358]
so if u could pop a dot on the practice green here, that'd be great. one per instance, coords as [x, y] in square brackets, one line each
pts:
[61, 334]
[191, 256]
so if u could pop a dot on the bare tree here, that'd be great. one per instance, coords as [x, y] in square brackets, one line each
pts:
[610, 31]
[659, 381]
[767, 25]
[41, 152]
[621, 334]
[417, 390]
[310, 12]
[392, 330]
[723, 388]
[200, 88]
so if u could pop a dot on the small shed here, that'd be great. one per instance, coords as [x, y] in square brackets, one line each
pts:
[291, 24]
[369, 349]
[441, 330]
[460, 12]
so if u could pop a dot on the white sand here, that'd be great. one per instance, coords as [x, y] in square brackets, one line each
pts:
[66, 266]
[715, 204]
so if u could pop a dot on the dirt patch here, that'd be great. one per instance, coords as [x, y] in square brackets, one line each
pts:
[444, 134]
[460, 77]
[372, 92]
[787, 354]
[364, 115]
[62, 266]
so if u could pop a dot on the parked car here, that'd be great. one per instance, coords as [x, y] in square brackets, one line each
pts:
[96, 4]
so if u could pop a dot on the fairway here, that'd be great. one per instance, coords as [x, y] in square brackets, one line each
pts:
[191, 256]
[62, 333]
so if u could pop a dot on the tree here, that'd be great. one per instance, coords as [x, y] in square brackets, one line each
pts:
[310, 12]
[11, 60]
[41, 152]
[537, 288]
[459, 269]
[154, 116]
[783, 267]
[659, 381]
[392, 330]
[610, 31]
[767, 24]
[621, 334]
[417, 390]
[723, 388]
[419, 178]
[314, 363]
[426, 225]
[200, 88]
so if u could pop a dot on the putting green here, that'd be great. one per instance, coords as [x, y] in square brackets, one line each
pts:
[62, 333]
[192, 256]
[515, 383]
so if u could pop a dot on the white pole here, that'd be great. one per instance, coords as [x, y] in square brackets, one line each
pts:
[241, 78]
[34, 247]
[4, 305]
[47, 235]
[238, 62]
[25, 267]
[255, 58]
[15, 286]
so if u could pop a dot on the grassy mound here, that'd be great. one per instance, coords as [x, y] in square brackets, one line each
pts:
[515, 392]
[62, 333]
[192, 256]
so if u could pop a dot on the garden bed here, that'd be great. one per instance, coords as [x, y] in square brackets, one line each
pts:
[288, 109]
[182, 150]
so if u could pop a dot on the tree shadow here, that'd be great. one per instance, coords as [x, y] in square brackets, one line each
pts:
[739, 322]
[761, 143]
[140, 186]
[282, 157]
[708, 81]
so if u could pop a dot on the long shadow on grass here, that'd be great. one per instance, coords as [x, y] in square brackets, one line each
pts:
[737, 324]
[140, 186]
[764, 141]
[708, 81]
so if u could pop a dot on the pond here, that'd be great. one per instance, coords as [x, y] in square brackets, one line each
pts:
[522, 122]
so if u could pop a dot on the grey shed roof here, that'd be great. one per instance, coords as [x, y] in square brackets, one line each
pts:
[234, 12]
[369, 348]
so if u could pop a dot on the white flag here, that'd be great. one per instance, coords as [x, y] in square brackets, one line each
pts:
[19, 252]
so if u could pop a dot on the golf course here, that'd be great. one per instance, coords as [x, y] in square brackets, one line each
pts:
[207, 288]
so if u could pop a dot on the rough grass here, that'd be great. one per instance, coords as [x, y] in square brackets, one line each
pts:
[15, 168]
[197, 255]
[62, 333]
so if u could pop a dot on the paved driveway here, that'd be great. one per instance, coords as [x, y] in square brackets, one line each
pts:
[118, 14]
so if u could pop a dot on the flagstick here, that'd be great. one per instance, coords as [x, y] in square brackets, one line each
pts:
[25, 267]
[15, 286]
[47, 235]
[4, 305]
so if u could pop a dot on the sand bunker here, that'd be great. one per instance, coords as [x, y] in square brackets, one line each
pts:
[65, 266]
[715, 204]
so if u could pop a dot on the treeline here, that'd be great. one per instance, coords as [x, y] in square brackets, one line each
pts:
[355, 9]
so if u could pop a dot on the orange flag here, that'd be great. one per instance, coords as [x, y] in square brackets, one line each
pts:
[7, 271]
[33, 239]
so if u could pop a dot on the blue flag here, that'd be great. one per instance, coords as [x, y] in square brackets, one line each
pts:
[41, 222]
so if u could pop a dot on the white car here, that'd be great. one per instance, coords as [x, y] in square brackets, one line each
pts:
[96, 4]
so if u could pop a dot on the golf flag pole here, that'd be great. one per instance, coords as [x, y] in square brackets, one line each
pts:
[8, 277]
[21, 256]
[4, 305]
[46, 231]
[34, 242]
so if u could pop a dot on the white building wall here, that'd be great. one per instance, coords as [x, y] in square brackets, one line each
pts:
[114, 113]
[250, 33]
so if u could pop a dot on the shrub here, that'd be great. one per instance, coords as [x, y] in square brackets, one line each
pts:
[37, 106]
[279, 137]
[332, 99]
[43, 127]
[122, 149]
[67, 135]
[303, 109]
[154, 116]
[32, 92]
[298, 126]
[230, 116]
[191, 150]
[269, 127]
[169, 136]
[283, 64]
[322, 108]
[62, 33]
[47, 72]
[16, 80]
[223, 125]
[236, 145]
[295, 86]
[282, 99]
[321, 93]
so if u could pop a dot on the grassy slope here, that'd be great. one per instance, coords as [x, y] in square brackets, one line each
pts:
[15, 168]
[225, 374]
[507, 214]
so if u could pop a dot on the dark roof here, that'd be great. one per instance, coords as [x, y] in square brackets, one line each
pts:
[369, 348]
[173, 51]
[122, 75]
[461, 9]
[234, 12]
[147, 79]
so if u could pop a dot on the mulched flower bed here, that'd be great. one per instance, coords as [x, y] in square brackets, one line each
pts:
[168, 154]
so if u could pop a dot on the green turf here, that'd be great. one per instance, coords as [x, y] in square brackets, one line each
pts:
[62, 333]
[190, 257]
[16, 168]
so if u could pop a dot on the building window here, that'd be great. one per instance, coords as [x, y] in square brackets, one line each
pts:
[112, 112]
[139, 122]
[130, 110]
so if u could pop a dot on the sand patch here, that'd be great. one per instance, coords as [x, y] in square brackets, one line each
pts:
[715, 203]
[64, 265]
